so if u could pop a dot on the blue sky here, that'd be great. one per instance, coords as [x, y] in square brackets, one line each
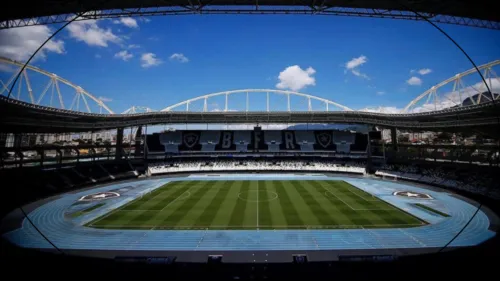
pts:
[229, 52]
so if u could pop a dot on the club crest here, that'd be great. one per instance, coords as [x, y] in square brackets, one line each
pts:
[324, 139]
[412, 194]
[99, 196]
[190, 139]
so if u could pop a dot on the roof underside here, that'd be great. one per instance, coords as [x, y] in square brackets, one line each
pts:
[459, 8]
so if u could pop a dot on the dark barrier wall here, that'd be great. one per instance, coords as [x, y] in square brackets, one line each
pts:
[319, 140]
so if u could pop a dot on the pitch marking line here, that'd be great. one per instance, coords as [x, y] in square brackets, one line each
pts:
[374, 199]
[112, 212]
[159, 193]
[178, 197]
[328, 191]
[154, 190]
[138, 210]
[355, 209]
[285, 227]
[120, 208]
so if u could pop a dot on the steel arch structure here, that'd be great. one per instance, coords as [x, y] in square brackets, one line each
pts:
[205, 98]
[137, 109]
[456, 12]
[53, 83]
[433, 100]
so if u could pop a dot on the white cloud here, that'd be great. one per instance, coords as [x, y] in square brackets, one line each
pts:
[179, 57]
[359, 74]
[380, 93]
[382, 109]
[133, 46]
[149, 59]
[89, 32]
[128, 22]
[214, 107]
[124, 55]
[20, 43]
[424, 71]
[354, 64]
[295, 78]
[220, 110]
[414, 81]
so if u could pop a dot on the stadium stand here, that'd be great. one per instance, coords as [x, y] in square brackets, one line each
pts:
[306, 140]
[273, 140]
[208, 140]
[343, 141]
[153, 143]
[35, 183]
[121, 170]
[475, 181]
[242, 139]
[170, 141]
[221, 165]
[360, 144]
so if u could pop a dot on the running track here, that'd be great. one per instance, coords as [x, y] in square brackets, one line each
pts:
[70, 234]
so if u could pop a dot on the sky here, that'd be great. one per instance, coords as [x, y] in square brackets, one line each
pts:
[361, 63]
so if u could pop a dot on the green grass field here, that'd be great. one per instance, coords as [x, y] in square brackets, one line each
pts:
[276, 204]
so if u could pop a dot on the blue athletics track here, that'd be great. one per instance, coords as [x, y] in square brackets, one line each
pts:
[69, 233]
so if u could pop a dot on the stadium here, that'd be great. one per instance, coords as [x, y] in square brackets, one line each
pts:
[271, 183]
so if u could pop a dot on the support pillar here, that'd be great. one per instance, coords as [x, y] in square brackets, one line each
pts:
[41, 152]
[369, 164]
[18, 138]
[119, 144]
[146, 145]
[394, 139]
[59, 156]
[77, 151]
[20, 154]
[138, 138]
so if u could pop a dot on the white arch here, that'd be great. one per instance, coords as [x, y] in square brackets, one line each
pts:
[273, 91]
[457, 79]
[55, 77]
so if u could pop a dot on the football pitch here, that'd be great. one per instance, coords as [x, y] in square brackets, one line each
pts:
[259, 204]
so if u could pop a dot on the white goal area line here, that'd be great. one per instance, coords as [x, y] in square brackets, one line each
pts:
[355, 209]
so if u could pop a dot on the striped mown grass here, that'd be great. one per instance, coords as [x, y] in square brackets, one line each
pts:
[269, 204]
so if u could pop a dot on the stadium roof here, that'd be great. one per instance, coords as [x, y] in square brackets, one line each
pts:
[21, 117]
[471, 13]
